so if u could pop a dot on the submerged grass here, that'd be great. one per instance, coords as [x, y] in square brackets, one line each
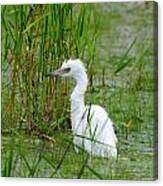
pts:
[36, 137]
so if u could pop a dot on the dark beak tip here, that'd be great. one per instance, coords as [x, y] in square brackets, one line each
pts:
[48, 75]
[54, 74]
[51, 75]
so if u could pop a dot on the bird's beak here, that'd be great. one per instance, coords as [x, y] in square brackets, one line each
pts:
[55, 73]
[58, 72]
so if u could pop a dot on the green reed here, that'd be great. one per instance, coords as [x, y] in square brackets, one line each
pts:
[35, 40]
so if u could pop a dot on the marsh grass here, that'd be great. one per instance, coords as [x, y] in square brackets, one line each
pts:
[36, 40]
[36, 134]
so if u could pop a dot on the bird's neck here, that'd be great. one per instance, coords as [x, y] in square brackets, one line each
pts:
[77, 98]
[80, 88]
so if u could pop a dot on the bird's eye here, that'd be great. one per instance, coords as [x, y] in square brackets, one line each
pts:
[66, 70]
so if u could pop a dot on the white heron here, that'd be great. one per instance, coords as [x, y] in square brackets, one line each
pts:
[92, 128]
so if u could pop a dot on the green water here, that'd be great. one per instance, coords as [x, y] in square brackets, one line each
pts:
[33, 157]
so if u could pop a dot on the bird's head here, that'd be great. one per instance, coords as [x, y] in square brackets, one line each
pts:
[69, 68]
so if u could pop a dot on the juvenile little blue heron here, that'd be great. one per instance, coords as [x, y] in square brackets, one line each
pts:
[92, 128]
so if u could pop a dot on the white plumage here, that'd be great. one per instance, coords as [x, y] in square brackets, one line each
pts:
[92, 128]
